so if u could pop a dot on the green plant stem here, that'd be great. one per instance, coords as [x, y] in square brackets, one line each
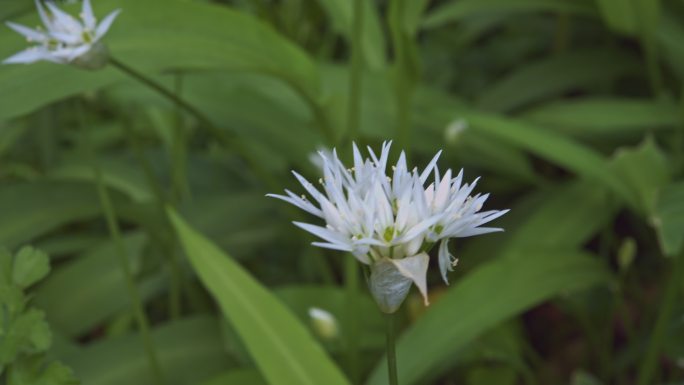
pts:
[352, 339]
[403, 74]
[391, 350]
[175, 271]
[122, 256]
[230, 142]
[179, 151]
[648, 364]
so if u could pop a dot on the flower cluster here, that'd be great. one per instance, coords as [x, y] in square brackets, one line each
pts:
[66, 39]
[391, 220]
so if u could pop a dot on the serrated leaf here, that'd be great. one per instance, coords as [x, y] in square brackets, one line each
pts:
[30, 266]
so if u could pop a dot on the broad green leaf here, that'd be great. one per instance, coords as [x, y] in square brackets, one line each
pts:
[591, 208]
[630, 17]
[30, 266]
[669, 218]
[33, 209]
[606, 117]
[341, 14]
[205, 37]
[282, 348]
[511, 285]
[555, 75]
[552, 147]
[189, 351]
[669, 35]
[63, 298]
[645, 170]
[454, 11]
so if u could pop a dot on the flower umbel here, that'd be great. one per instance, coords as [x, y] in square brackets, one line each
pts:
[66, 39]
[390, 220]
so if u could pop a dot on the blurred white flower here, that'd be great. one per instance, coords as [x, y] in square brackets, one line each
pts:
[324, 323]
[65, 40]
[455, 129]
[390, 221]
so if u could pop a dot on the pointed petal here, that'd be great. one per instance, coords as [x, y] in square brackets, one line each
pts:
[324, 233]
[63, 22]
[28, 56]
[88, 15]
[424, 175]
[477, 231]
[105, 24]
[29, 33]
[47, 21]
[415, 269]
[444, 259]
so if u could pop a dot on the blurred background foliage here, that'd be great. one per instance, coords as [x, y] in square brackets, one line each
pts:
[570, 110]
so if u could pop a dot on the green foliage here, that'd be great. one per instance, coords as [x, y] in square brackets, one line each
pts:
[24, 334]
[571, 111]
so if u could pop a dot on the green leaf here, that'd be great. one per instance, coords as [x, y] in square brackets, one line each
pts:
[62, 296]
[189, 351]
[458, 10]
[30, 266]
[27, 333]
[630, 17]
[645, 170]
[573, 71]
[283, 349]
[341, 13]
[511, 285]
[669, 218]
[606, 117]
[33, 209]
[32, 371]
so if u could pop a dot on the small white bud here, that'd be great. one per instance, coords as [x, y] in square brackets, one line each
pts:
[324, 323]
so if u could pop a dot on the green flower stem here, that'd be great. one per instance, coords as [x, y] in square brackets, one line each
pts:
[648, 364]
[231, 142]
[179, 150]
[391, 351]
[404, 76]
[169, 247]
[122, 256]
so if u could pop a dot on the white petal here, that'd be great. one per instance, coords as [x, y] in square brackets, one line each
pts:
[430, 166]
[415, 269]
[477, 231]
[88, 15]
[322, 232]
[444, 259]
[63, 22]
[333, 246]
[47, 21]
[30, 34]
[28, 56]
[299, 202]
[105, 24]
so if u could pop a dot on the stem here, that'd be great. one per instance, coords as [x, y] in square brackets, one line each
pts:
[352, 290]
[229, 141]
[160, 199]
[391, 351]
[179, 151]
[403, 74]
[122, 255]
[648, 365]
[355, 73]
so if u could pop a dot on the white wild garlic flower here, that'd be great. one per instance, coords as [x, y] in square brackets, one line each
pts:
[65, 39]
[389, 220]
